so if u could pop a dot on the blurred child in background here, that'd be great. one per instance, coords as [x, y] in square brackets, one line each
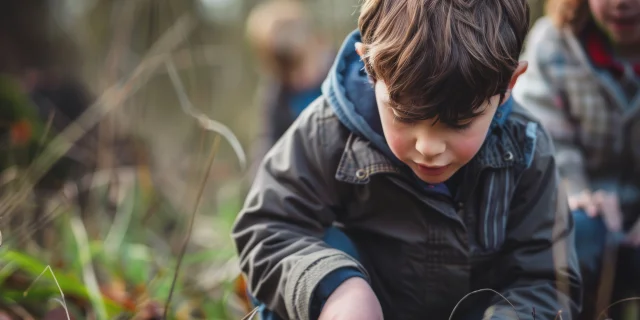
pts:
[583, 82]
[294, 60]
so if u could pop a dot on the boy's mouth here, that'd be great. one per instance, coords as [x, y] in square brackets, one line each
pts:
[432, 170]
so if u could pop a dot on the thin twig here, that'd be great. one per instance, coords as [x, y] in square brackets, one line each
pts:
[47, 128]
[62, 302]
[203, 120]
[482, 290]
[185, 243]
[604, 312]
[32, 228]
[151, 210]
[251, 314]
[124, 29]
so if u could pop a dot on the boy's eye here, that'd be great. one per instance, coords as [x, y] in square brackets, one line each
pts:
[403, 120]
[460, 126]
[399, 118]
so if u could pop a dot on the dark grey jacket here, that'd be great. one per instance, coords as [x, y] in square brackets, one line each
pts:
[510, 230]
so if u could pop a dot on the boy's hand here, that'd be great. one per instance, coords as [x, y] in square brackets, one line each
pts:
[353, 300]
[601, 203]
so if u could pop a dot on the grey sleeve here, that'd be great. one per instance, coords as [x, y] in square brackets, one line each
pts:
[294, 198]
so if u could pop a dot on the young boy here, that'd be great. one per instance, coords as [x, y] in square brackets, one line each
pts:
[415, 180]
[584, 85]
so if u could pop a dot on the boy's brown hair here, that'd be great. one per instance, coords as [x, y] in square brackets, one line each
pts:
[442, 59]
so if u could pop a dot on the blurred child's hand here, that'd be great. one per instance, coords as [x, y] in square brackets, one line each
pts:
[584, 201]
[609, 207]
[354, 300]
[633, 237]
[601, 203]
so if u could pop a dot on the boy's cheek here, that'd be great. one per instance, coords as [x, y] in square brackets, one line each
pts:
[466, 149]
[399, 144]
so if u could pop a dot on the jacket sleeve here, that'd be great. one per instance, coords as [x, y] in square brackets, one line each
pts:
[540, 91]
[293, 200]
[539, 267]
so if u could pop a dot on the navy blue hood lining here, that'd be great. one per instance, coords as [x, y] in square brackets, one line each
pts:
[352, 96]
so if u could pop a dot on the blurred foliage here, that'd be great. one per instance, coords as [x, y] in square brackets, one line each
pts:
[131, 271]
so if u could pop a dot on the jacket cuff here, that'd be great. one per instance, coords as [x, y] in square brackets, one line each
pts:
[308, 273]
[327, 286]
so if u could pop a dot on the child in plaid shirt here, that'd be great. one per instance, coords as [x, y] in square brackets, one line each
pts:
[583, 83]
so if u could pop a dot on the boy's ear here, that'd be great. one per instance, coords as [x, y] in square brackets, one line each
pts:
[522, 67]
[360, 49]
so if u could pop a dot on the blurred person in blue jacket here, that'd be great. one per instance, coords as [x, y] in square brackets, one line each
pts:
[293, 59]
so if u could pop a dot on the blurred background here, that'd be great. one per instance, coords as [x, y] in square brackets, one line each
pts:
[129, 130]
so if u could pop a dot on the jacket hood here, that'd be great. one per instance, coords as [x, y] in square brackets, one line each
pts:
[352, 96]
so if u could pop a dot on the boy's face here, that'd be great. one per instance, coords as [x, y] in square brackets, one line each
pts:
[619, 18]
[434, 151]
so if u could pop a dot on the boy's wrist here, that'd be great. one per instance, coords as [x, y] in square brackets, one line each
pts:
[354, 299]
[328, 285]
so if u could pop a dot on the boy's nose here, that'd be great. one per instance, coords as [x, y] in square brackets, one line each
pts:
[430, 147]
